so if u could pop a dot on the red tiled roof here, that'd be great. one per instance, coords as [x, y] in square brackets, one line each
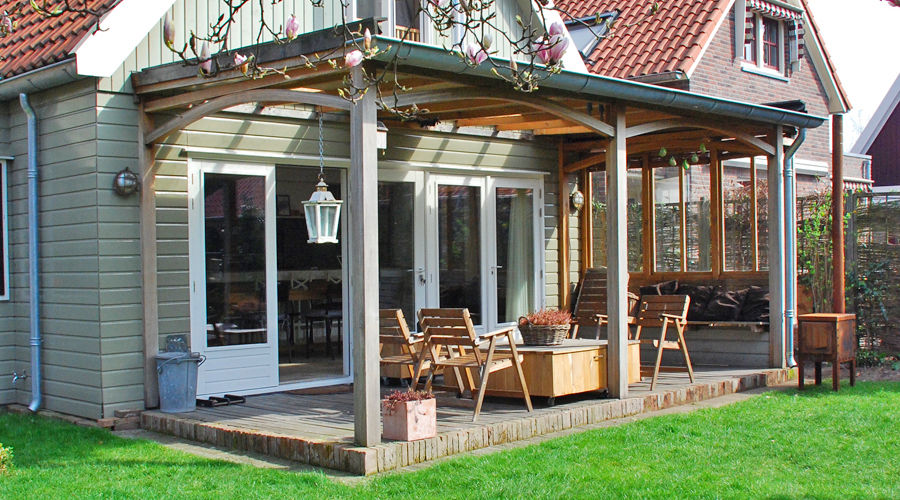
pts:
[38, 41]
[670, 40]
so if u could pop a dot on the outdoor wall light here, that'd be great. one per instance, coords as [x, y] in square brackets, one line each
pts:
[577, 199]
[126, 182]
[381, 136]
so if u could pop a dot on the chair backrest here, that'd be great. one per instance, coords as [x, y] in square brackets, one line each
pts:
[392, 327]
[654, 305]
[591, 299]
[448, 327]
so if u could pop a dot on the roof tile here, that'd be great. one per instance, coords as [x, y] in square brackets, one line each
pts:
[670, 40]
[38, 41]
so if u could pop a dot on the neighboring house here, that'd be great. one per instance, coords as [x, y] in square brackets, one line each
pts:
[749, 50]
[212, 251]
[881, 140]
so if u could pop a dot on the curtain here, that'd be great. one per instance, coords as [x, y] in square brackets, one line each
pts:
[520, 257]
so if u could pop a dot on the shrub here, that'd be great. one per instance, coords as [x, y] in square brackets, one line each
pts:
[6, 457]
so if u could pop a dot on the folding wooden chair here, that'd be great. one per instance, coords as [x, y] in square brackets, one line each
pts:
[394, 330]
[590, 304]
[660, 311]
[452, 329]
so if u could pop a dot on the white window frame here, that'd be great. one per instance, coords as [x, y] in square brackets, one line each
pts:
[4, 228]
[758, 66]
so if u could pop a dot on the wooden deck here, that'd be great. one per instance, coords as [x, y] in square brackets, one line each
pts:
[318, 429]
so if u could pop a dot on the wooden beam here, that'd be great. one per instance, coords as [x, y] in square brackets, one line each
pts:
[563, 231]
[617, 256]
[259, 95]
[149, 276]
[363, 207]
[590, 161]
[578, 129]
[423, 98]
[837, 213]
[776, 251]
[503, 119]
[716, 213]
[587, 223]
[538, 125]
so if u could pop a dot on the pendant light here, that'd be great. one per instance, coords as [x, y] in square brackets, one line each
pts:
[323, 211]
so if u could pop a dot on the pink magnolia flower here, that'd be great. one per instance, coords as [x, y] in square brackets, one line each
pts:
[475, 54]
[353, 58]
[241, 61]
[556, 28]
[292, 27]
[205, 59]
[367, 39]
[169, 31]
[551, 51]
[6, 24]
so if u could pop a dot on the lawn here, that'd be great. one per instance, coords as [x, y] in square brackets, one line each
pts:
[781, 444]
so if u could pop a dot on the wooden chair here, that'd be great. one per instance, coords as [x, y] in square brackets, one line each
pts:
[452, 329]
[660, 311]
[393, 330]
[590, 304]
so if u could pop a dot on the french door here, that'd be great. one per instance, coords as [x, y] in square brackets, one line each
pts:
[461, 241]
[233, 275]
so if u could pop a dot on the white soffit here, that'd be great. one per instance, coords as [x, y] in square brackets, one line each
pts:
[102, 52]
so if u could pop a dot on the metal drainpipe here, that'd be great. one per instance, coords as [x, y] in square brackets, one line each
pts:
[33, 253]
[790, 244]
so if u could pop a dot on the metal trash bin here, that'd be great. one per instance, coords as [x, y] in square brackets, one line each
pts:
[177, 373]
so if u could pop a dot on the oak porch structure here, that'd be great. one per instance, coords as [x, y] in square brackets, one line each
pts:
[592, 120]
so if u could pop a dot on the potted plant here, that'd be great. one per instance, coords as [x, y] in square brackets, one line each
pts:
[409, 415]
[545, 327]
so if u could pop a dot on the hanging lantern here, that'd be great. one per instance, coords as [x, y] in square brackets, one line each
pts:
[323, 213]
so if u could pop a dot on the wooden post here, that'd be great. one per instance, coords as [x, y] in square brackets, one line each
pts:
[837, 215]
[563, 235]
[150, 298]
[776, 251]
[363, 207]
[617, 256]
[587, 222]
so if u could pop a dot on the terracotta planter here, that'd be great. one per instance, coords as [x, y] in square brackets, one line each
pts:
[410, 420]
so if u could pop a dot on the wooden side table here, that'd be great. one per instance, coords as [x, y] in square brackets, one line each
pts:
[827, 337]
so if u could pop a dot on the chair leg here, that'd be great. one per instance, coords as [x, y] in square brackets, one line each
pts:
[683, 345]
[522, 383]
[659, 353]
[481, 389]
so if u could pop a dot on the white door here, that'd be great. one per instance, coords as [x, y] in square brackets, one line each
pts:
[402, 275]
[233, 275]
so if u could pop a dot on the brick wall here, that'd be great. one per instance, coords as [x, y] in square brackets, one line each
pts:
[719, 74]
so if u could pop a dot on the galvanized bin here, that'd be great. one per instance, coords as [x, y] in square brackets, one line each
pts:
[177, 373]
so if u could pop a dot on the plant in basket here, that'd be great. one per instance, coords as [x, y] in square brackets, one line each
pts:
[545, 327]
[409, 415]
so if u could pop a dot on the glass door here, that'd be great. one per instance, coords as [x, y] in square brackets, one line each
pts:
[515, 258]
[457, 236]
[233, 283]
[401, 253]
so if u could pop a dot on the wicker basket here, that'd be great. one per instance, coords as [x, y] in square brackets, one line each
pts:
[542, 334]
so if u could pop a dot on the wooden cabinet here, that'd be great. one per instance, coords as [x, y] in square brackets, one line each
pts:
[827, 337]
[575, 366]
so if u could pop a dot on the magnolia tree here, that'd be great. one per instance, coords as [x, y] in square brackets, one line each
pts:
[470, 29]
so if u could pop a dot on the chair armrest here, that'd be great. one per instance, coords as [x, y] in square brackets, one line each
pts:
[673, 317]
[495, 333]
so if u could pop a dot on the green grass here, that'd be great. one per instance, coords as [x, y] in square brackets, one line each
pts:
[781, 444]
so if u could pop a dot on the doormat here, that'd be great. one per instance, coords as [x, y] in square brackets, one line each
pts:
[316, 391]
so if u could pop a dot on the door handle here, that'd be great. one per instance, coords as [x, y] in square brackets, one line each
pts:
[421, 273]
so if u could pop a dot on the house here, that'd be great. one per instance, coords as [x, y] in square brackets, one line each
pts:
[881, 141]
[469, 212]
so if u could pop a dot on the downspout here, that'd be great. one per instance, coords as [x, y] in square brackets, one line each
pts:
[790, 244]
[33, 254]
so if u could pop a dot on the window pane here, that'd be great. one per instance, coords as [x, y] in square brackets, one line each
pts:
[235, 243]
[770, 43]
[762, 219]
[696, 205]
[666, 206]
[407, 19]
[738, 218]
[635, 222]
[599, 207]
[459, 248]
[396, 273]
[515, 253]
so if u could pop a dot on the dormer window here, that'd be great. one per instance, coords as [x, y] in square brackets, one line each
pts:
[587, 32]
[773, 38]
